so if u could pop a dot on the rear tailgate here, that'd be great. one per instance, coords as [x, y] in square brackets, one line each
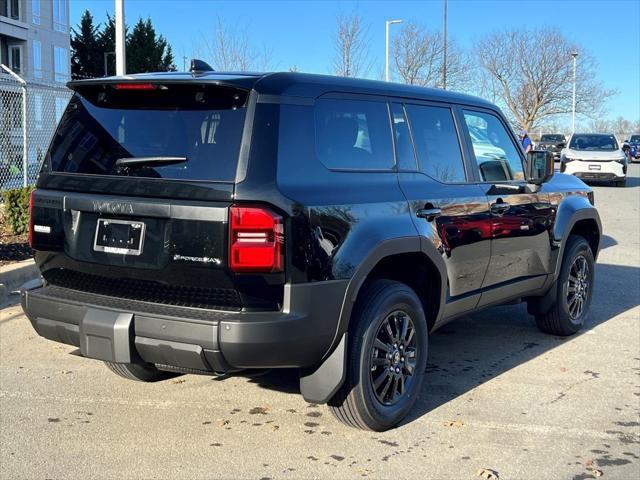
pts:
[154, 231]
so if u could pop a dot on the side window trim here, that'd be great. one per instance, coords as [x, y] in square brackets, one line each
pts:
[516, 144]
[461, 140]
[416, 161]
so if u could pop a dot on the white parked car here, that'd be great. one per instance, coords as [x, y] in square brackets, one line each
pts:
[595, 156]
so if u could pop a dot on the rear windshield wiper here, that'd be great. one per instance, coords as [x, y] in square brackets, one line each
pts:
[133, 162]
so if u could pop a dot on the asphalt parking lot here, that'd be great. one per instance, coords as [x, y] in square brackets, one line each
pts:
[498, 395]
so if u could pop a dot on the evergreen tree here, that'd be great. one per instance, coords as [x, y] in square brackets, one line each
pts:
[107, 44]
[146, 52]
[86, 55]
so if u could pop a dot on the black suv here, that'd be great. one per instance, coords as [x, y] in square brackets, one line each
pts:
[208, 223]
[552, 142]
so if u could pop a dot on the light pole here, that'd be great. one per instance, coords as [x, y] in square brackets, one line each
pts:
[444, 56]
[573, 123]
[386, 46]
[106, 56]
[121, 59]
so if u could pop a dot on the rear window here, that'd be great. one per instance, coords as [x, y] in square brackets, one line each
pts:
[102, 124]
[552, 138]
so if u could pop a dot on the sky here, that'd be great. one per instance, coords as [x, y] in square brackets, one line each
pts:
[301, 32]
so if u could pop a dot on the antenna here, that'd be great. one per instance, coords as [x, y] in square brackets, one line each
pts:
[199, 66]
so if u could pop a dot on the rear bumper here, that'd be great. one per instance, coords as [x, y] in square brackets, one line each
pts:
[125, 331]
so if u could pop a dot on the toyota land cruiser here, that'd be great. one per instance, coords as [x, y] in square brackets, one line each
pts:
[210, 222]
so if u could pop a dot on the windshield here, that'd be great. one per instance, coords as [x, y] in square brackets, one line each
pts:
[102, 125]
[594, 142]
[552, 138]
[635, 139]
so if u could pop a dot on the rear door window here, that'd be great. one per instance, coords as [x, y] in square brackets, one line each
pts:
[353, 135]
[436, 141]
[497, 156]
[102, 124]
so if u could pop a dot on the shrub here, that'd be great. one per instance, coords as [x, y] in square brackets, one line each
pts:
[16, 209]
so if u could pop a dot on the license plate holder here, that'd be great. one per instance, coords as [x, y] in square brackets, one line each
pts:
[594, 167]
[121, 237]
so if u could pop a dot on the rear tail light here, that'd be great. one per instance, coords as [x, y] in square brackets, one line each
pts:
[256, 240]
[31, 218]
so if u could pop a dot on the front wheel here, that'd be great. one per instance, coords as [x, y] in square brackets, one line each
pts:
[386, 359]
[574, 290]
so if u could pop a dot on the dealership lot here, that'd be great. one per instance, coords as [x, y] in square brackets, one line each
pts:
[498, 395]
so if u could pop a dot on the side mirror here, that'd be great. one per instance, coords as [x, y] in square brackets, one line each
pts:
[539, 166]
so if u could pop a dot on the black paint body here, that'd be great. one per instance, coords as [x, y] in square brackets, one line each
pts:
[340, 225]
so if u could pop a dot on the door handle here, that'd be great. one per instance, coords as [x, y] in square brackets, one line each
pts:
[429, 213]
[499, 208]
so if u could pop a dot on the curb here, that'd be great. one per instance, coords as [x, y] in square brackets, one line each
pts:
[12, 276]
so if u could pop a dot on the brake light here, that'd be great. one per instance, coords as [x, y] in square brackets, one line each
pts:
[31, 218]
[256, 240]
[134, 86]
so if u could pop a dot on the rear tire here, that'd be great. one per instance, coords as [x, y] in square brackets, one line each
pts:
[574, 290]
[138, 372]
[386, 358]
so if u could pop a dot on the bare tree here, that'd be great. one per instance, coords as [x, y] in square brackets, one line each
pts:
[231, 50]
[419, 59]
[351, 58]
[531, 73]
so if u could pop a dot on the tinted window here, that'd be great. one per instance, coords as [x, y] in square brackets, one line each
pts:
[593, 142]
[635, 138]
[202, 124]
[353, 134]
[405, 156]
[497, 156]
[552, 138]
[436, 140]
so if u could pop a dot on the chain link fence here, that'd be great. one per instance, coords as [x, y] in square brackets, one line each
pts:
[29, 114]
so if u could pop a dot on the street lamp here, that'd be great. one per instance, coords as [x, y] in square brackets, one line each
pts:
[106, 56]
[386, 45]
[444, 53]
[573, 128]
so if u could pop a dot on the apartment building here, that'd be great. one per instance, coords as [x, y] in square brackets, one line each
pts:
[34, 39]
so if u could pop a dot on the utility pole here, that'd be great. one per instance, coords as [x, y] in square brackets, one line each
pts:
[386, 47]
[573, 123]
[121, 56]
[444, 59]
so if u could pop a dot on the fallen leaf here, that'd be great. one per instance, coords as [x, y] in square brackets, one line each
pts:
[592, 469]
[178, 380]
[562, 369]
[275, 428]
[454, 423]
[488, 474]
[222, 422]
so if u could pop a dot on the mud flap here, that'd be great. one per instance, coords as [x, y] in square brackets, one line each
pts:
[319, 385]
[107, 335]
